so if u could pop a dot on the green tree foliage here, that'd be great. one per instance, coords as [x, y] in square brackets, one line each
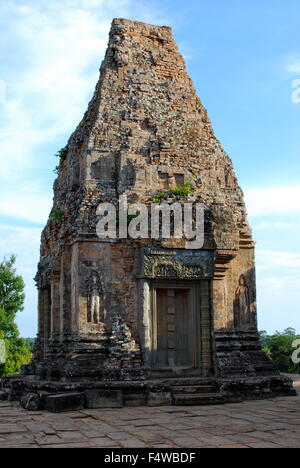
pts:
[11, 302]
[31, 343]
[11, 296]
[279, 348]
[17, 354]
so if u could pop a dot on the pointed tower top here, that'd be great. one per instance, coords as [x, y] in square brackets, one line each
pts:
[146, 130]
[127, 24]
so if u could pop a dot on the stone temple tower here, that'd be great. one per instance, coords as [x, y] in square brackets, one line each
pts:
[142, 321]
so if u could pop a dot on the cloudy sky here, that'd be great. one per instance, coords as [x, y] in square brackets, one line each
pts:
[244, 58]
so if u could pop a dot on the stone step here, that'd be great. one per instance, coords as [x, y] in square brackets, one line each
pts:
[183, 381]
[187, 399]
[193, 389]
[3, 395]
[63, 402]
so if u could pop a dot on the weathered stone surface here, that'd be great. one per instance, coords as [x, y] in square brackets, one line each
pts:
[256, 387]
[64, 402]
[145, 130]
[271, 423]
[193, 399]
[159, 399]
[3, 395]
[104, 399]
[174, 264]
[135, 399]
[133, 310]
[30, 401]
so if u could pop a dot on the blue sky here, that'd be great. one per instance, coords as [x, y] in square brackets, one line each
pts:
[244, 58]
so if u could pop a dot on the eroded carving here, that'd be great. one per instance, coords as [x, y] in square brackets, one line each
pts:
[95, 305]
[176, 264]
[242, 317]
[124, 352]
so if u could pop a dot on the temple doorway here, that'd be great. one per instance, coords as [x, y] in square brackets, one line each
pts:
[181, 327]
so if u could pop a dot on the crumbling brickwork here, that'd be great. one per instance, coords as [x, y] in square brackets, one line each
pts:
[145, 131]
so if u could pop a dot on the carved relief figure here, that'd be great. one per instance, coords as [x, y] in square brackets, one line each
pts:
[95, 299]
[242, 305]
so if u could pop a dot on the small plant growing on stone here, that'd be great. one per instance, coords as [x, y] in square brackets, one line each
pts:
[62, 153]
[56, 215]
[156, 200]
[130, 217]
[182, 190]
[160, 196]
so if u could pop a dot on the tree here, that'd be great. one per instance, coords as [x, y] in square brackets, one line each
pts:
[31, 343]
[17, 354]
[11, 297]
[279, 348]
[11, 302]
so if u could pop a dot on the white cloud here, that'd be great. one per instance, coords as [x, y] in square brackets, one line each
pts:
[293, 64]
[279, 285]
[2, 91]
[278, 302]
[273, 200]
[267, 259]
[20, 240]
[60, 46]
[296, 93]
[26, 202]
[278, 289]
[57, 48]
[47, 99]
[277, 225]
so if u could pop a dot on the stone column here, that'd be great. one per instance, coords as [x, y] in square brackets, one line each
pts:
[206, 313]
[41, 324]
[65, 297]
[171, 326]
[47, 316]
[145, 320]
[55, 308]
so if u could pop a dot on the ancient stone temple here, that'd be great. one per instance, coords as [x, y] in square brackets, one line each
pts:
[145, 321]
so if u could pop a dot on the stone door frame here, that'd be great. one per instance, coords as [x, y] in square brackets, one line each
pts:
[201, 310]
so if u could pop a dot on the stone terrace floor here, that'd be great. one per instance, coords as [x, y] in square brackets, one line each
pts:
[252, 424]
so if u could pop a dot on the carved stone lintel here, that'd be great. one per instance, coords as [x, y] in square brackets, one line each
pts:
[174, 264]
